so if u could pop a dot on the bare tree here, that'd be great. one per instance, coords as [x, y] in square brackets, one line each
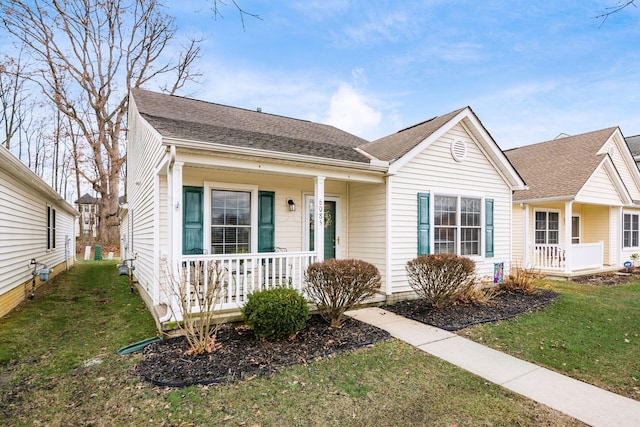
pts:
[90, 53]
[12, 97]
[217, 5]
[623, 4]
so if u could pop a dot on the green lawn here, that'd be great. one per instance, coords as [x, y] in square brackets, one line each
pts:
[591, 333]
[58, 367]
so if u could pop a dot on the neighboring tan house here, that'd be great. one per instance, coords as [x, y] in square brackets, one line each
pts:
[582, 209]
[210, 184]
[35, 223]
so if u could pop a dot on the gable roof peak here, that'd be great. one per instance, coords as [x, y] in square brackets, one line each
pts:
[392, 147]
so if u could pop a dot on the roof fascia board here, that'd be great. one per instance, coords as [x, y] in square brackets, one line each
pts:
[133, 111]
[271, 155]
[21, 172]
[419, 148]
[627, 157]
[616, 181]
[544, 200]
[298, 168]
[495, 156]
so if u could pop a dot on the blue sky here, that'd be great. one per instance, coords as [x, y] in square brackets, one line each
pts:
[530, 70]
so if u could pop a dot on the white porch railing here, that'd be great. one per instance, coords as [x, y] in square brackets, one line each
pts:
[554, 257]
[548, 256]
[242, 274]
[587, 255]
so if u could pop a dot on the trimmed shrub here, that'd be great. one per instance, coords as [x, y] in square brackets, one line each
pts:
[338, 285]
[275, 313]
[441, 279]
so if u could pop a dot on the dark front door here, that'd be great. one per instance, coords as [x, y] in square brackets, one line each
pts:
[329, 229]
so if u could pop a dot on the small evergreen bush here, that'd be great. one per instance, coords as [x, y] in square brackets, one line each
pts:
[441, 279]
[336, 286]
[275, 313]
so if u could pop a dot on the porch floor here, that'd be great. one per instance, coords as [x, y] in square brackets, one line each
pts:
[561, 275]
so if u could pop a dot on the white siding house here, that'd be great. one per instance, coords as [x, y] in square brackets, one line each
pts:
[263, 196]
[581, 212]
[35, 223]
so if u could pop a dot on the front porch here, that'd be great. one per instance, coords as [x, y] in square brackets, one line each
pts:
[569, 239]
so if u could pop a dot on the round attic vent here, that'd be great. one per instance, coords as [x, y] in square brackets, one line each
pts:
[458, 150]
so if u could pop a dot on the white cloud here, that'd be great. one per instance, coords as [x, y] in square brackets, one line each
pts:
[352, 112]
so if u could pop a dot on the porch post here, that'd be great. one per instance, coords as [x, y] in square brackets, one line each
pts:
[525, 236]
[318, 228]
[568, 256]
[615, 236]
[175, 209]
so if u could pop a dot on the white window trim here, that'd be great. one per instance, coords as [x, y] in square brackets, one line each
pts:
[628, 248]
[225, 186]
[560, 227]
[483, 222]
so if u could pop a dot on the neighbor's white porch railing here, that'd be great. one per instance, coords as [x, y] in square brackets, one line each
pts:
[587, 255]
[554, 257]
[241, 274]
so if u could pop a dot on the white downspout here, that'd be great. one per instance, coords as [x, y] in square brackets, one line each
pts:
[388, 277]
[169, 254]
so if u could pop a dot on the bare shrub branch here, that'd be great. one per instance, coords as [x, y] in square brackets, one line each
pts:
[198, 289]
[441, 279]
[336, 286]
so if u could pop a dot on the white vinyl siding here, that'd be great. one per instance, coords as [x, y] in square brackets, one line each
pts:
[23, 221]
[367, 214]
[599, 189]
[623, 167]
[435, 171]
[144, 153]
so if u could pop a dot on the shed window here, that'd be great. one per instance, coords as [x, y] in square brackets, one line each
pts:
[51, 228]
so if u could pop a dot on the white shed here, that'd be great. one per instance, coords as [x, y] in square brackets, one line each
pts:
[36, 223]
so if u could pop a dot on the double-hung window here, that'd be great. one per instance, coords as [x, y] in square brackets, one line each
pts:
[630, 231]
[457, 225]
[230, 221]
[547, 225]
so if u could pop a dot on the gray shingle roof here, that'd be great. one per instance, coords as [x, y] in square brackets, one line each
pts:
[193, 120]
[394, 146]
[633, 142]
[558, 168]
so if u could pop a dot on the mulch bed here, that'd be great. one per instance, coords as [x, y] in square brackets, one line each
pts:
[609, 279]
[240, 355]
[503, 306]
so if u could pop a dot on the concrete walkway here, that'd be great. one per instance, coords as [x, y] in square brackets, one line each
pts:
[587, 403]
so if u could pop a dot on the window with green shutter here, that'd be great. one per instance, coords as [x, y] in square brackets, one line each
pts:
[424, 231]
[266, 221]
[192, 221]
[488, 228]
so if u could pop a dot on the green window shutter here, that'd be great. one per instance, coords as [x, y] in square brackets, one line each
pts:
[488, 228]
[266, 221]
[424, 230]
[192, 221]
